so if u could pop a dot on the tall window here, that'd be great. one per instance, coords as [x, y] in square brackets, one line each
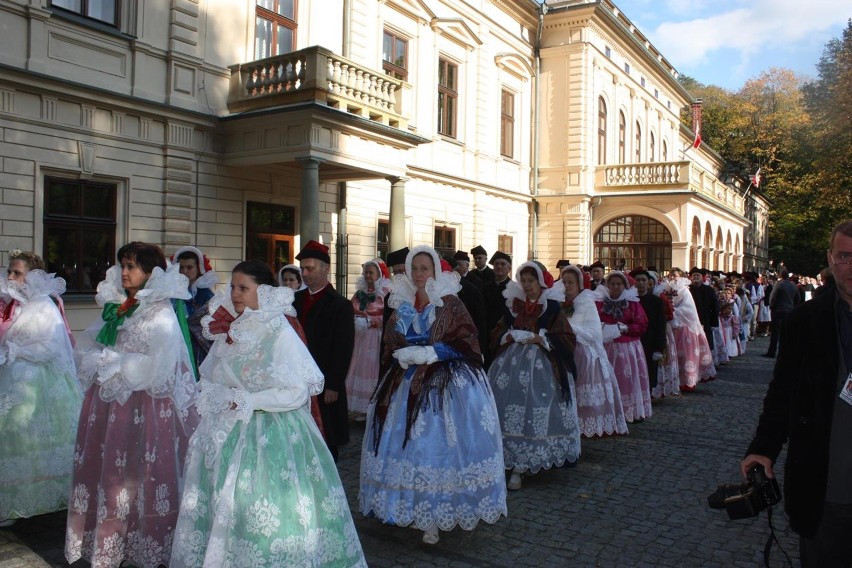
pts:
[445, 241]
[269, 233]
[652, 147]
[447, 97]
[395, 55]
[708, 244]
[506, 243]
[694, 244]
[383, 239]
[601, 131]
[665, 151]
[275, 28]
[79, 231]
[622, 137]
[633, 241]
[102, 10]
[507, 123]
[638, 143]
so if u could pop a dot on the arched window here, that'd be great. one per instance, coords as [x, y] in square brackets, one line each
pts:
[634, 240]
[638, 143]
[708, 244]
[720, 253]
[695, 243]
[665, 156]
[651, 147]
[622, 137]
[601, 131]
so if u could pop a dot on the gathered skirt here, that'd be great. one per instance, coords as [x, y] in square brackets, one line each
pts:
[364, 369]
[128, 467]
[540, 427]
[668, 371]
[599, 406]
[39, 408]
[450, 471]
[270, 495]
[631, 371]
[694, 359]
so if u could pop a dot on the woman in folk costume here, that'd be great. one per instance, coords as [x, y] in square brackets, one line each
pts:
[202, 279]
[720, 349]
[138, 414]
[40, 396]
[694, 358]
[261, 486]
[432, 457]
[290, 276]
[668, 372]
[598, 398]
[746, 317]
[624, 322]
[368, 304]
[729, 324]
[532, 376]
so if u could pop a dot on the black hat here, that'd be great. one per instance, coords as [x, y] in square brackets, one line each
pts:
[638, 271]
[561, 263]
[461, 255]
[397, 256]
[478, 250]
[596, 264]
[316, 250]
[500, 255]
[695, 269]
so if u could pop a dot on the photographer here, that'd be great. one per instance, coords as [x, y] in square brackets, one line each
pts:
[806, 405]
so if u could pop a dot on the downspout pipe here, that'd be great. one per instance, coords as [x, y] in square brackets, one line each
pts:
[542, 10]
[342, 268]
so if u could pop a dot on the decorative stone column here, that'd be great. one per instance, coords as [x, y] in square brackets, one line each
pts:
[309, 208]
[397, 213]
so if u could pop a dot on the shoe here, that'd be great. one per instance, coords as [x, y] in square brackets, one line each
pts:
[770, 355]
[431, 536]
[7, 523]
[515, 481]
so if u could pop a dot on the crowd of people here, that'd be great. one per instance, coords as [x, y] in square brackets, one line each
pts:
[190, 427]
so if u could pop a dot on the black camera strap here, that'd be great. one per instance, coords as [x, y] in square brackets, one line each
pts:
[773, 537]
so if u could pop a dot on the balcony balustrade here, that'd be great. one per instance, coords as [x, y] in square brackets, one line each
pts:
[316, 74]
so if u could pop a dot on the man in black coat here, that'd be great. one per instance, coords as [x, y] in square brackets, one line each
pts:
[596, 270]
[706, 303]
[472, 298]
[461, 264]
[808, 406]
[495, 303]
[328, 320]
[480, 267]
[654, 338]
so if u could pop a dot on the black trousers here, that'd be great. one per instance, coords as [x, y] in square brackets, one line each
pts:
[831, 546]
[775, 330]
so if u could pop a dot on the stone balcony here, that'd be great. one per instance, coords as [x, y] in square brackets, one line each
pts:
[668, 175]
[315, 74]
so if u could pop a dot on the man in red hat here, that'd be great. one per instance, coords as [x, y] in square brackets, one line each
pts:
[327, 318]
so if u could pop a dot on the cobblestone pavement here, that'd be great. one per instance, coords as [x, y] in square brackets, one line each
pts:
[637, 500]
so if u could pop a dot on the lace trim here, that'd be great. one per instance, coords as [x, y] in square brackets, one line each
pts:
[38, 284]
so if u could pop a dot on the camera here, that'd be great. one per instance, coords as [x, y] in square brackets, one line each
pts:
[748, 499]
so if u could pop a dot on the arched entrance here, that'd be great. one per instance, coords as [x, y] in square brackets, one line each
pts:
[634, 240]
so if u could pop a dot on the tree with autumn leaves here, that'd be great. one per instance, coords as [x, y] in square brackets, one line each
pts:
[799, 133]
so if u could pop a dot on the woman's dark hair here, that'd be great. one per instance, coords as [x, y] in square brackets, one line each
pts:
[258, 270]
[188, 255]
[147, 257]
[531, 271]
[295, 273]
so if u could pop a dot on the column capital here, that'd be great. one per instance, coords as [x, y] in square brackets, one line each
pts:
[397, 179]
[309, 160]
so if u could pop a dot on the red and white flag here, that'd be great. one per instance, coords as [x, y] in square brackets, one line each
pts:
[755, 179]
[697, 142]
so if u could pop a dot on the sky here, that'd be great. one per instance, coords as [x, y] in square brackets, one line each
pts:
[727, 42]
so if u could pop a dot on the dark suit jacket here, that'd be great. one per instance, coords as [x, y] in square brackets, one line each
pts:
[707, 305]
[654, 338]
[485, 275]
[472, 298]
[330, 331]
[799, 406]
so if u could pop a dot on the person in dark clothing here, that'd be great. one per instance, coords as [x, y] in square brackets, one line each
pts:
[480, 268]
[461, 264]
[396, 263]
[706, 303]
[782, 300]
[596, 269]
[472, 298]
[806, 407]
[326, 318]
[654, 338]
[493, 293]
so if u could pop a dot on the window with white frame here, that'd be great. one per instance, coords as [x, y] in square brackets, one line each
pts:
[507, 123]
[448, 97]
[275, 28]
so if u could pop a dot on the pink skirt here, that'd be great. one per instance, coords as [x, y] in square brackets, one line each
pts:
[694, 359]
[598, 397]
[631, 371]
[364, 369]
[668, 372]
[128, 469]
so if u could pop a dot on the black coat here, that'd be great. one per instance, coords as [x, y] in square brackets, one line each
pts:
[485, 275]
[654, 338]
[330, 331]
[495, 305]
[799, 406]
[707, 305]
[472, 298]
